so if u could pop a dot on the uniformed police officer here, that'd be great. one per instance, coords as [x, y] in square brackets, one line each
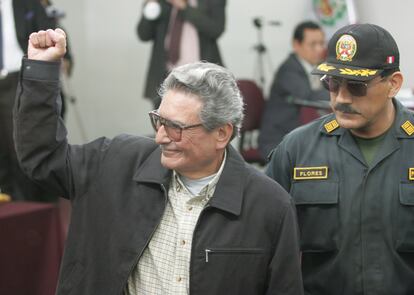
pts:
[351, 173]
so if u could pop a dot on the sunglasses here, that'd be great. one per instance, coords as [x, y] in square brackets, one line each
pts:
[174, 130]
[355, 88]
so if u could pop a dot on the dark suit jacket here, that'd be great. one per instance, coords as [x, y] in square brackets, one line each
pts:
[282, 116]
[209, 20]
[29, 17]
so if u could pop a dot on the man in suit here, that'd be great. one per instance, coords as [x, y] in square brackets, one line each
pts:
[18, 19]
[203, 23]
[293, 81]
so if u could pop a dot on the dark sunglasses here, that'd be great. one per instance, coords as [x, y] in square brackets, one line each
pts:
[174, 130]
[355, 88]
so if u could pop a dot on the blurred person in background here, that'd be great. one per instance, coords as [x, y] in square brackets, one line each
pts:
[18, 19]
[293, 80]
[182, 31]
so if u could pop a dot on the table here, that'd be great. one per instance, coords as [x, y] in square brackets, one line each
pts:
[31, 247]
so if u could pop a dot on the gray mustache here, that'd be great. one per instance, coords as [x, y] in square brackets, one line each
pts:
[345, 108]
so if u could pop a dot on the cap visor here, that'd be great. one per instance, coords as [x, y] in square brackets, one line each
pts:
[347, 72]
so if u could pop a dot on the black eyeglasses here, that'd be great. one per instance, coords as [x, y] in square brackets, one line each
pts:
[174, 130]
[356, 88]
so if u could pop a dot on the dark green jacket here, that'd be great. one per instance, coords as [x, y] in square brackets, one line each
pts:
[356, 222]
[209, 20]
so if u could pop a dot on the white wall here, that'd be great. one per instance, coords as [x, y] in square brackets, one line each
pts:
[111, 63]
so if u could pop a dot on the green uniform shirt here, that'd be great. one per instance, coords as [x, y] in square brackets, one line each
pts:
[369, 146]
[356, 221]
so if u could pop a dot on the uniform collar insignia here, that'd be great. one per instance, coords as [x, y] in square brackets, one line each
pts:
[408, 127]
[331, 126]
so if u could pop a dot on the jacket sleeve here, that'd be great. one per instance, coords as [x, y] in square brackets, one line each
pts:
[210, 23]
[147, 30]
[40, 135]
[295, 83]
[285, 277]
[280, 167]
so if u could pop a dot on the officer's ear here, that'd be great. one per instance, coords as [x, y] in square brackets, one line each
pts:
[396, 79]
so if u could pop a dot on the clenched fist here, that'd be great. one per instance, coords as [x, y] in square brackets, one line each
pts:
[47, 45]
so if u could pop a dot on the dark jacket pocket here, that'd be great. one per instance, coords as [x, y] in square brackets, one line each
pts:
[233, 270]
[71, 278]
[405, 217]
[232, 251]
[317, 205]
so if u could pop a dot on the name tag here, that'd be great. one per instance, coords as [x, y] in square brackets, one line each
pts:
[301, 173]
[411, 173]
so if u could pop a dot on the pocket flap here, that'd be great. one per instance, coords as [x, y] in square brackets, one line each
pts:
[315, 192]
[407, 194]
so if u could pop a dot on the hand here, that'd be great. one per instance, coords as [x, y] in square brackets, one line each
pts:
[179, 4]
[47, 45]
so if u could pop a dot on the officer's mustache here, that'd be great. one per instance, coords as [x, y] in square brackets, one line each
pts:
[345, 108]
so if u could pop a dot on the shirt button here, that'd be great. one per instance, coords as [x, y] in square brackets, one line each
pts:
[182, 242]
[179, 279]
[190, 208]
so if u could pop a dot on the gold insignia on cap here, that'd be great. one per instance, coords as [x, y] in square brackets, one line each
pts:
[361, 72]
[325, 68]
[408, 127]
[346, 47]
[310, 173]
[411, 173]
[331, 126]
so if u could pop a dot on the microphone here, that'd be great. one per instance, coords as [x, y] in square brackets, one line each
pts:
[258, 22]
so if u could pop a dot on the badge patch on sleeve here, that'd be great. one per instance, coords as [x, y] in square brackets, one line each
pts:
[410, 173]
[302, 173]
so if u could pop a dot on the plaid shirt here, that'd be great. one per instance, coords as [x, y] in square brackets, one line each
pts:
[164, 267]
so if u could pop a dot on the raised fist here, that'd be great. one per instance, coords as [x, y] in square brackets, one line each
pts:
[47, 45]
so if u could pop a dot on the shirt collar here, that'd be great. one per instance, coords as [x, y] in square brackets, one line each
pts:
[208, 189]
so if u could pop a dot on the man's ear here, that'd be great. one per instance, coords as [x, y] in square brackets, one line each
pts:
[223, 135]
[296, 46]
[396, 80]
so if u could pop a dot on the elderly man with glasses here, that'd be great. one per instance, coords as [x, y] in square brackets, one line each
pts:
[181, 215]
[351, 173]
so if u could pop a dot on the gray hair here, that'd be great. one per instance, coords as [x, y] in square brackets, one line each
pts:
[215, 86]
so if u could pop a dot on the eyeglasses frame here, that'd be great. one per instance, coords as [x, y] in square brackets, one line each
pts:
[170, 124]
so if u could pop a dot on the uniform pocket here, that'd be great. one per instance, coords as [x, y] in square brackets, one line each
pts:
[405, 216]
[317, 205]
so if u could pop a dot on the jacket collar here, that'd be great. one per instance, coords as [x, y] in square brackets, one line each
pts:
[402, 115]
[228, 195]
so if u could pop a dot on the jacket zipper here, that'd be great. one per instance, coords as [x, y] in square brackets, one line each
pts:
[146, 244]
[232, 251]
[192, 245]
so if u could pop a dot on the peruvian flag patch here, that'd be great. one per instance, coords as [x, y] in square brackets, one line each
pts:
[390, 59]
